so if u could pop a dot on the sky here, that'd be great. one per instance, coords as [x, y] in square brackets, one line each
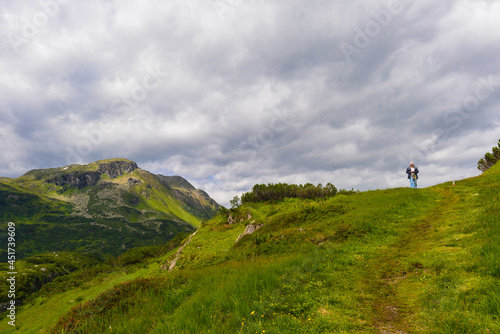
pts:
[230, 93]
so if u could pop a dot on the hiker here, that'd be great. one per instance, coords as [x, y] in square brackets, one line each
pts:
[412, 172]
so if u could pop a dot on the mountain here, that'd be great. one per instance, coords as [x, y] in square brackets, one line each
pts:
[387, 261]
[102, 208]
[195, 201]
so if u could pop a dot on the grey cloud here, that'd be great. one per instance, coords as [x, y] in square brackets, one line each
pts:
[229, 94]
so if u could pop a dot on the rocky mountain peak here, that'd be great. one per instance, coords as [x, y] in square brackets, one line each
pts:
[115, 168]
[81, 176]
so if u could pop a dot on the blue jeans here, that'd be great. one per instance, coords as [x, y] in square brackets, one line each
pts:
[413, 182]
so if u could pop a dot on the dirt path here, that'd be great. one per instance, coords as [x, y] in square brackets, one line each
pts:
[392, 314]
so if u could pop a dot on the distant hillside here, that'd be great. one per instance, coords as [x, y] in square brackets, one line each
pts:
[194, 200]
[388, 261]
[103, 208]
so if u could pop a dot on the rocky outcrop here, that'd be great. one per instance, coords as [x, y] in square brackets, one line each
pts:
[251, 228]
[113, 169]
[78, 179]
[232, 220]
[88, 178]
[132, 182]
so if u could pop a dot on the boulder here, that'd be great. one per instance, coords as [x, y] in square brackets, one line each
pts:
[251, 228]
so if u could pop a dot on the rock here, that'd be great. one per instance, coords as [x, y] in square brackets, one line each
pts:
[251, 228]
[81, 179]
[113, 169]
[231, 220]
[78, 179]
[132, 182]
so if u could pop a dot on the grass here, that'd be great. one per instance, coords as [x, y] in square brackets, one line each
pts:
[105, 219]
[389, 261]
[45, 307]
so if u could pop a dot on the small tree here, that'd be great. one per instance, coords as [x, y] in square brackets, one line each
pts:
[235, 203]
[489, 159]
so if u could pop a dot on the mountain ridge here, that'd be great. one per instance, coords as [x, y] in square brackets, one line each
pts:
[105, 198]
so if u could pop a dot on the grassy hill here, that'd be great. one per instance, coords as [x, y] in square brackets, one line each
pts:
[388, 261]
[103, 208]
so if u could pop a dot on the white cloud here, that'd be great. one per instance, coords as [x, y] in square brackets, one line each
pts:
[232, 93]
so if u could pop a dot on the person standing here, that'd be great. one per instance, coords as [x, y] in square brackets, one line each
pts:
[412, 172]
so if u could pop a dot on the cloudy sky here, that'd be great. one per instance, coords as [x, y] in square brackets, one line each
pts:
[229, 93]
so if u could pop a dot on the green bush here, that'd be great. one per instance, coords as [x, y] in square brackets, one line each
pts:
[489, 159]
[280, 191]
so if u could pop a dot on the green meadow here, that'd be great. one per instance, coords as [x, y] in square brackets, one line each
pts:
[387, 261]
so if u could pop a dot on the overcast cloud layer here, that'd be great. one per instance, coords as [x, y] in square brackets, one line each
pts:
[229, 93]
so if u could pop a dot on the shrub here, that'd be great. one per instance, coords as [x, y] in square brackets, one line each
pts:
[489, 159]
[280, 191]
[347, 192]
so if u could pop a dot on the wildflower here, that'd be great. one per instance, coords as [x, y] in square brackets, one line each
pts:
[252, 312]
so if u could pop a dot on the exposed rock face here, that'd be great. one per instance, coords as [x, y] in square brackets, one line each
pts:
[79, 180]
[82, 179]
[250, 229]
[231, 220]
[114, 169]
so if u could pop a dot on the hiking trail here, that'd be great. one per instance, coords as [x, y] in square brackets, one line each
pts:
[391, 314]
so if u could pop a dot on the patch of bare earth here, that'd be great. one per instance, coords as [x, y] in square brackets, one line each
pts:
[389, 312]
[389, 319]
[391, 316]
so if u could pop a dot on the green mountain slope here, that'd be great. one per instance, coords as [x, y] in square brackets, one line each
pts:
[103, 208]
[193, 200]
[390, 261]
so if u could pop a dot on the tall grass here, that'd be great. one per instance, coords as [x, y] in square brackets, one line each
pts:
[414, 261]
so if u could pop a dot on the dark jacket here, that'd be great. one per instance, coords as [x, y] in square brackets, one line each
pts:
[408, 171]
